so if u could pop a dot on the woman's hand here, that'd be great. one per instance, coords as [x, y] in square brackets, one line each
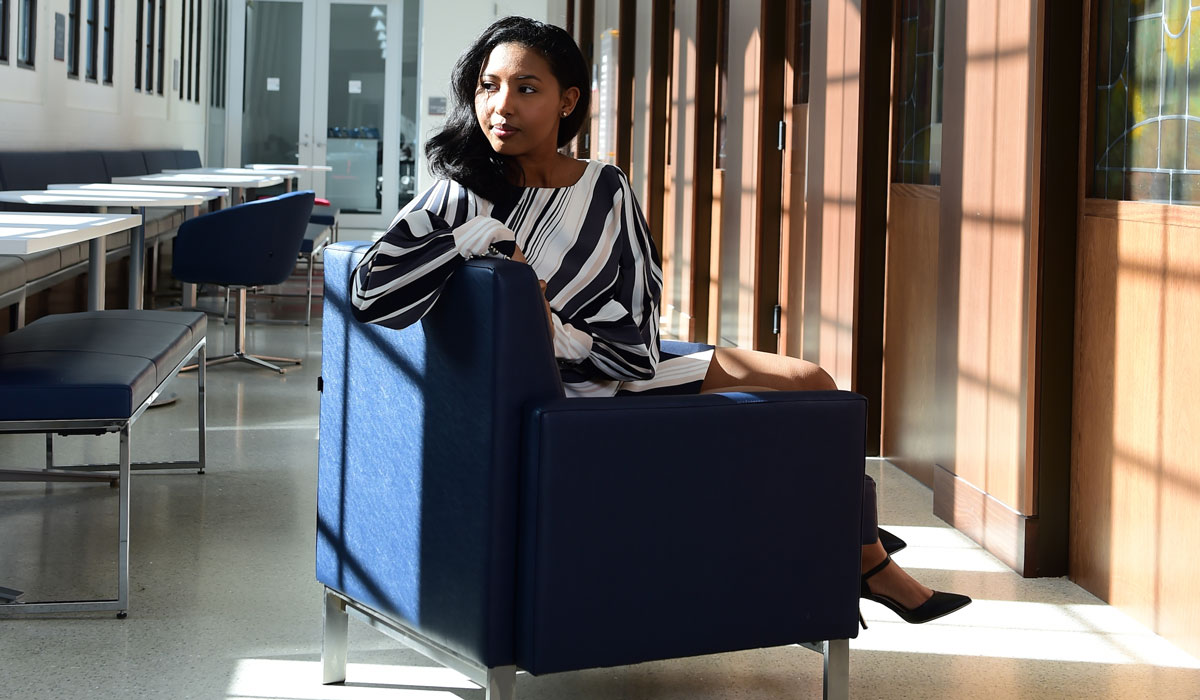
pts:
[549, 313]
[520, 257]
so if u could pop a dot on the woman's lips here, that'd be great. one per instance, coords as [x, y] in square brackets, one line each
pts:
[503, 130]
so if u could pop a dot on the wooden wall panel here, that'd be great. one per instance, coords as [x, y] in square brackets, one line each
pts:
[1135, 485]
[909, 437]
[831, 242]
[987, 172]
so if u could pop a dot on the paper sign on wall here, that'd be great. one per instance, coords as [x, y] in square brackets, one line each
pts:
[272, 84]
[355, 87]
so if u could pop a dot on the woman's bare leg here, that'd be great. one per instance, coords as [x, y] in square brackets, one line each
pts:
[735, 367]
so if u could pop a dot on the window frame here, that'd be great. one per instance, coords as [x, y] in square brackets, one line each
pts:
[27, 22]
[4, 31]
[109, 10]
[138, 42]
[92, 58]
[149, 37]
[162, 44]
[73, 12]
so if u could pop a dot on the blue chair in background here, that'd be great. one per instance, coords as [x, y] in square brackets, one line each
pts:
[469, 510]
[250, 245]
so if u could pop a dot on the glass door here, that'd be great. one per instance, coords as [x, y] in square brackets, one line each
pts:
[323, 84]
[277, 86]
[356, 109]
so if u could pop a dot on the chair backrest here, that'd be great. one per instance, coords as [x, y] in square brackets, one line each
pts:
[420, 446]
[251, 244]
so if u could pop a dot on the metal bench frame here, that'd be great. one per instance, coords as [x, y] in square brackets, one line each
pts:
[102, 472]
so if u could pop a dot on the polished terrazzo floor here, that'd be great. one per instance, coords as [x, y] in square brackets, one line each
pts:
[224, 603]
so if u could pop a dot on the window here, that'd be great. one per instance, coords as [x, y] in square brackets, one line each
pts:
[3, 31]
[149, 45]
[1146, 145]
[27, 32]
[162, 43]
[108, 41]
[216, 77]
[917, 123]
[73, 38]
[92, 32]
[137, 43]
[196, 54]
[189, 47]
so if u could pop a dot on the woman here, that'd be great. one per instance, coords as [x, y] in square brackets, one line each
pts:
[520, 92]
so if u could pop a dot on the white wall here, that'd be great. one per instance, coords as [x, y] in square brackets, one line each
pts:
[43, 109]
[446, 29]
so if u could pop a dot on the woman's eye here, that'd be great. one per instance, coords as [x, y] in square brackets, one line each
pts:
[528, 89]
[488, 86]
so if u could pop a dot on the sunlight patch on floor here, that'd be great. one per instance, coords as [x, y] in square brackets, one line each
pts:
[301, 680]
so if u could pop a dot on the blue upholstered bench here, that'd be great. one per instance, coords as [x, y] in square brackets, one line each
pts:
[93, 373]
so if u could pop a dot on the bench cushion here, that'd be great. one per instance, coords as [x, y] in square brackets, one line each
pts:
[124, 163]
[92, 365]
[34, 170]
[12, 273]
[315, 236]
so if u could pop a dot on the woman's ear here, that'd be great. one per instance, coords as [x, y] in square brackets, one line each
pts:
[570, 97]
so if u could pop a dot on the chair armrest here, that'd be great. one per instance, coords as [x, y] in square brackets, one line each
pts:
[658, 527]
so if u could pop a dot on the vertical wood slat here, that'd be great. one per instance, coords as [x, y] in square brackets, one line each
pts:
[703, 144]
[626, 43]
[791, 234]
[768, 204]
[661, 32]
[587, 39]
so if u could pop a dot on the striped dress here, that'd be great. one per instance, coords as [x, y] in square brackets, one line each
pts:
[588, 241]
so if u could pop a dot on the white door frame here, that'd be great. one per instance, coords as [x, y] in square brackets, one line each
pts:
[314, 96]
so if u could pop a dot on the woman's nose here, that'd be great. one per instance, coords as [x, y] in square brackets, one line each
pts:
[500, 102]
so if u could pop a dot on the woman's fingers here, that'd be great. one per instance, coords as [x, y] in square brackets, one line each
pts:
[518, 255]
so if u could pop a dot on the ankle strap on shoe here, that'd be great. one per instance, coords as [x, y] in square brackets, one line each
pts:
[887, 559]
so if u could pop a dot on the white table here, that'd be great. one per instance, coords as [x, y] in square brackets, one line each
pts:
[206, 192]
[237, 184]
[291, 167]
[23, 233]
[287, 175]
[102, 201]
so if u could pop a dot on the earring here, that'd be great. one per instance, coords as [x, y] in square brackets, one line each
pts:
[564, 115]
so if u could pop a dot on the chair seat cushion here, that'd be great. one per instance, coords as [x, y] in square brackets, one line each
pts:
[328, 218]
[95, 364]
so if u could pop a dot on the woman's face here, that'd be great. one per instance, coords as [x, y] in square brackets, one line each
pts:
[519, 102]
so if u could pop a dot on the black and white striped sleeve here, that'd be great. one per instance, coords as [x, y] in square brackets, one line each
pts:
[403, 274]
[613, 333]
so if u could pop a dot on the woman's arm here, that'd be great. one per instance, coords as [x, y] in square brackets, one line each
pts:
[403, 274]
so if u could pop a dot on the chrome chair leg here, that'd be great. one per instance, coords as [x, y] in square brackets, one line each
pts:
[239, 353]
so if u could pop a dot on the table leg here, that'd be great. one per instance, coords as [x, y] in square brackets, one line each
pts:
[96, 267]
[137, 258]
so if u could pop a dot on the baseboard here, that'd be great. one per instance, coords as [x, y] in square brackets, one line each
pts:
[920, 470]
[1010, 536]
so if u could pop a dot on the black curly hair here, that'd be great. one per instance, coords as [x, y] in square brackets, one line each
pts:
[460, 151]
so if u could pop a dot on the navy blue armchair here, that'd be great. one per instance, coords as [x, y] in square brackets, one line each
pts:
[468, 509]
[249, 245]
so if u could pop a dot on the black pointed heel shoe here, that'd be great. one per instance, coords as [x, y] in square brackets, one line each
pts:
[891, 543]
[939, 603]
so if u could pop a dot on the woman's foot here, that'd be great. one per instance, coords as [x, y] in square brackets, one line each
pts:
[892, 581]
[884, 582]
